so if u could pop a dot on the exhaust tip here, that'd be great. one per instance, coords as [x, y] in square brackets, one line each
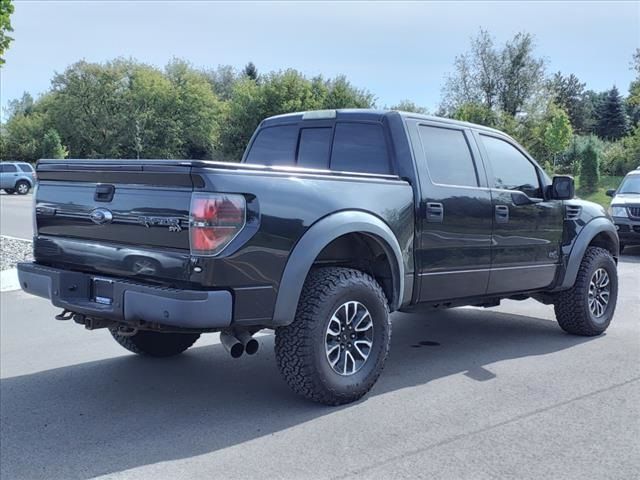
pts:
[236, 350]
[252, 346]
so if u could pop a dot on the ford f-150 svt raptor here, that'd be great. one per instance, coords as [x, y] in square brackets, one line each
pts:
[332, 220]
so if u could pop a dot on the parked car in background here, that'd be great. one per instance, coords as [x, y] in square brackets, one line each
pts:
[625, 209]
[17, 177]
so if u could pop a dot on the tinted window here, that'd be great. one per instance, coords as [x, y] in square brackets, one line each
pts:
[359, 147]
[448, 156]
[25, 167]
[313, 151]
[8, 168]
[511, 169]
[274, 146]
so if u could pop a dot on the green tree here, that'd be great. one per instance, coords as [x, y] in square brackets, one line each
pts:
[505, 78]
[590, 168]
[409, 106]
[557, 131]
[52, 145]
[223, 80]
[341, 94]
[633, 100]
[568, 93]
[612, 118]
[6, 9]
[476, 112]
[23, 137]
[250, 71]
[196, 109]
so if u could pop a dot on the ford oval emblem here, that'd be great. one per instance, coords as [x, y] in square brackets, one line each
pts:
[100, 216]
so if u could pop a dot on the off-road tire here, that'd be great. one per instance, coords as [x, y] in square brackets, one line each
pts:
[572, 306]
[156, 344]
[22, 187]
[300, 346]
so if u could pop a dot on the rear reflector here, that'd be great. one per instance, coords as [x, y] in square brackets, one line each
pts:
[215, 220]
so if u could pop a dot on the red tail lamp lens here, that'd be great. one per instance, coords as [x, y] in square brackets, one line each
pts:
[216, 219]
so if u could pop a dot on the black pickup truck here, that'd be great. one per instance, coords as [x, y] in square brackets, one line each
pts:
[332, 220]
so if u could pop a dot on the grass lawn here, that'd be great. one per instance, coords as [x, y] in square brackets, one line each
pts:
[599, 196]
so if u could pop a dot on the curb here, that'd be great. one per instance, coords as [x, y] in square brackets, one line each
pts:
[9, 280]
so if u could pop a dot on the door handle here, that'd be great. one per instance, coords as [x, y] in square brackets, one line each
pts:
[502, 213]
[435, 212]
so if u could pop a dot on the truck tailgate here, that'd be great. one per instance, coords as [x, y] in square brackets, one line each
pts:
[132, 203]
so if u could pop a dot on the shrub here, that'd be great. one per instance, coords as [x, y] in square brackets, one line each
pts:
[590, 167]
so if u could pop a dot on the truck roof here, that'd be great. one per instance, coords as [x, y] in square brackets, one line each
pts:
[367, 114]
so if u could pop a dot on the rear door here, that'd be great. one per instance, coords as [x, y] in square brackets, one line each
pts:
[8, 175]
[527, 230]
[454, 238]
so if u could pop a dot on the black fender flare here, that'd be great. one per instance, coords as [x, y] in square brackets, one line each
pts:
[318, 236]
[587, 234]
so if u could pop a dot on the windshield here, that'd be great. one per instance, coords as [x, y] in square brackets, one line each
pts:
[631, 184]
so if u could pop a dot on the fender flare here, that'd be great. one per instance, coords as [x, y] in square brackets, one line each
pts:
[584, 238]
[318, 236]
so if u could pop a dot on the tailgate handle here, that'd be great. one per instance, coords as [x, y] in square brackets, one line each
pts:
[104, 193]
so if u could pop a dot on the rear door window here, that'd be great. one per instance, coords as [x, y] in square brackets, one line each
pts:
[449, 159]
[360, 147]
[314, 148]
[274, 146]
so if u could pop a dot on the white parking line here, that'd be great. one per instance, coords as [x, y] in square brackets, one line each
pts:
[9, 280]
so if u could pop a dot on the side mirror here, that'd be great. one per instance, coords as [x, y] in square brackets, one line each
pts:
[563, 188]
[611, 192]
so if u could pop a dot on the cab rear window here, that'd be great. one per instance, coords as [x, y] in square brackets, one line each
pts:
[347, 146]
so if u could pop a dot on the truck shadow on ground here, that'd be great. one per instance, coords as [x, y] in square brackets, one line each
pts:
[111, 415]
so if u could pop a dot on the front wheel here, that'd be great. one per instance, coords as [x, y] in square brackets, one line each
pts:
[335, 349]
[22, 187]
[587, 308]
[155, 344]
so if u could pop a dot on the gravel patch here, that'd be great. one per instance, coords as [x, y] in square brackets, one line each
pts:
[13, 251]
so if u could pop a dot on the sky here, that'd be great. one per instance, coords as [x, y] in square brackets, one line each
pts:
[396, 50]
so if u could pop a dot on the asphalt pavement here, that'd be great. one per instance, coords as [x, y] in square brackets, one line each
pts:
[466, 394]
[16, 215]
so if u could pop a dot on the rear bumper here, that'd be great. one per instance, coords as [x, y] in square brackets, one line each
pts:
[129, 302]
[628, 230]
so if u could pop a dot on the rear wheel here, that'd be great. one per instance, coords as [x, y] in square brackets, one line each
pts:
[335, 349]
[587, 308]
[156, 344]
[23, 187]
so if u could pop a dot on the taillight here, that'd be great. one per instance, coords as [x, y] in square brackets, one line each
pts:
[216, 218]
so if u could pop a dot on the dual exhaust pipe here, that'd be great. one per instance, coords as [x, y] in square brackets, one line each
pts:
[238, 343]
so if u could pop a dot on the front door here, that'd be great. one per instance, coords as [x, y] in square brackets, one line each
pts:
[453, 248]
[527, 230]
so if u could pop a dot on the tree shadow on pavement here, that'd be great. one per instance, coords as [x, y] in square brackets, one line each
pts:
[111, 415]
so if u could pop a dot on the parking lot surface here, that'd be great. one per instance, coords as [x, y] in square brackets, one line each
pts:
[466, 393]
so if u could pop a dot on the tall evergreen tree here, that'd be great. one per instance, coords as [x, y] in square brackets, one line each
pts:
[250, 71]
[612, 121]
[590, 167]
